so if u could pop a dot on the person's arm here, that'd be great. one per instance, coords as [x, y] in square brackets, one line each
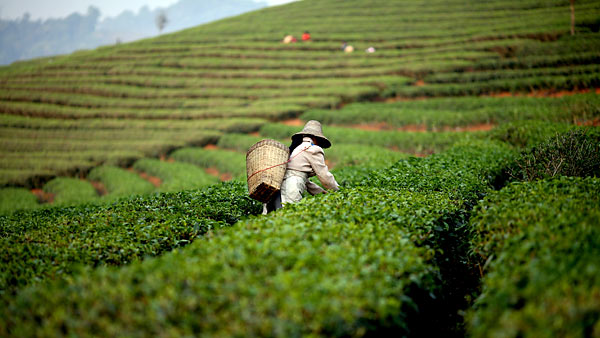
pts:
[314, 188]
[316, 158]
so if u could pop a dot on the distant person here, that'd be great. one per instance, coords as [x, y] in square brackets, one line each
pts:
[347, 48]
[306, 36]
[370, 50]
[306, 159]
[289, 39]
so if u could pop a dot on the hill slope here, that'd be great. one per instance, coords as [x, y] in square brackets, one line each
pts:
[117, 104]
[405, 248]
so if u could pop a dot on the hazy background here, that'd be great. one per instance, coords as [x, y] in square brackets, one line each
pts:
[34, 28]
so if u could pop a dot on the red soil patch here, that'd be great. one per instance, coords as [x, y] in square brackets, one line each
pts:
[419, 83]
[423, 128]
[152, 179]
[293, 122]
[373, 126]
[503, 94]
[546, 93]
[100, 188]
[254, 133]
[402, 99]
[589, 123]
[215, 172]
[536, 93]
[164, 158]
[211, 146]
[415, 128]
[212, 171]
[42, 196]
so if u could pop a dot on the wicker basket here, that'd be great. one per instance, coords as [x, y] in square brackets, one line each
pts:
[266, 162]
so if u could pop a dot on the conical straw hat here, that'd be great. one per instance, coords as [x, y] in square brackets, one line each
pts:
[312, 128]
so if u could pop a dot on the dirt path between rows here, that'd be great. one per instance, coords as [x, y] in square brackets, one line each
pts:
[535, 93]
[546, 93]
[156, 181]
[42, 196]
[382, 126]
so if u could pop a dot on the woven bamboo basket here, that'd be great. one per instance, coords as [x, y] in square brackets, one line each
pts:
[266, 162]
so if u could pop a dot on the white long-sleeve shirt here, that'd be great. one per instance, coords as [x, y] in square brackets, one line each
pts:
[310, 158]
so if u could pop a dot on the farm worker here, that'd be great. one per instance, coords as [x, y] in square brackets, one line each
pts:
[370, 50]
[347, 48]
[307, 159]
[306, 36]
[289, 39]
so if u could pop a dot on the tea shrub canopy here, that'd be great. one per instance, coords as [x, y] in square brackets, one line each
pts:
[431, 221]
[53, 242]
[541, 239]
[358, 260]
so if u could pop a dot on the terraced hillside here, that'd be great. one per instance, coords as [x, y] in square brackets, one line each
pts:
[64, 116]
[467, 148]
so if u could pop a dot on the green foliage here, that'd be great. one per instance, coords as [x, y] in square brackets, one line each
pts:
[68, 190]
[541, 243]
[527, 134]
[323, 267]
[175, 176]
[238, 142]
[54, 242]
[438, 113]
[119, 182]
[12, 199]
[162, 91]
[344, 263]
[224, 161]
[466, 172]
[343, 155]
[574, 153]
[410, 142]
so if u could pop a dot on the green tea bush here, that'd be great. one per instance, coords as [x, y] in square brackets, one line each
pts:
[120, 182]
[573, 153]
[540, 242]
[12, 199]
[224, 161]
[466, 171]
[238, 142]
[175, 176]
[67, 190]
[53, 242]
[460, 111]
[403, 141]
[343, 155]
[322, 267]
[527, 134]
[347, 263]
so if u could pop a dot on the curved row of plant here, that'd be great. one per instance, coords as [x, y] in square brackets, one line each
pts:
[538, 243]
[461, 111]
[52, 243]
[541, 242]
[348, 263]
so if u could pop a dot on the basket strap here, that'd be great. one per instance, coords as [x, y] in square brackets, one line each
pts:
[273, 166]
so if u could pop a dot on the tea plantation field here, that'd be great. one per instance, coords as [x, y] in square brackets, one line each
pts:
[467, 148]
